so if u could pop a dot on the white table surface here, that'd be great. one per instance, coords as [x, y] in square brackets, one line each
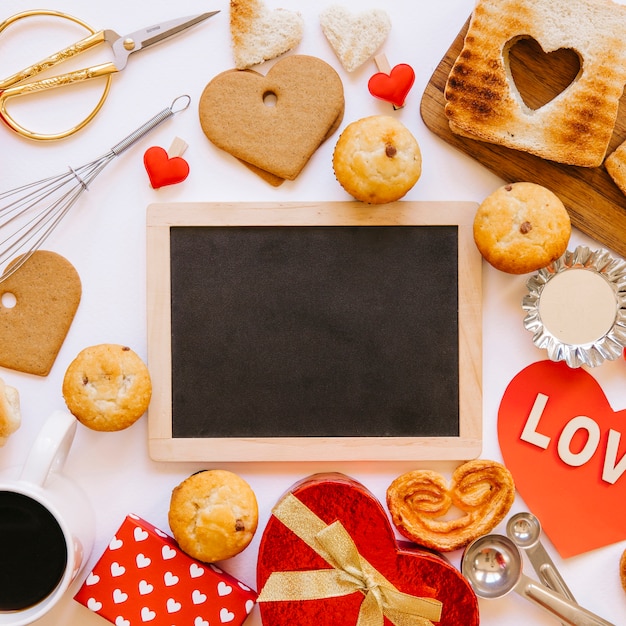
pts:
[104, 238]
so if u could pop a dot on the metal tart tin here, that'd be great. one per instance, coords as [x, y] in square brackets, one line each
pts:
[576, 307]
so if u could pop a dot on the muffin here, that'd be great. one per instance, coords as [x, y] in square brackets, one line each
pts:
[521, 227]
[107, 387]
[377, 159]
[213, 515]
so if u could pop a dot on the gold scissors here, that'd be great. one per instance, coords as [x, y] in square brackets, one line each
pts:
[122, 47]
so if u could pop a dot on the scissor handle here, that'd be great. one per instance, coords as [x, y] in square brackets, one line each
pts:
[10, 87]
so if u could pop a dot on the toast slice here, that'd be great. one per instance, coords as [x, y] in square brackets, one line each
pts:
[483, 102]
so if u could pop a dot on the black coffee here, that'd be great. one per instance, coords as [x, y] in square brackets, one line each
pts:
[33, 554]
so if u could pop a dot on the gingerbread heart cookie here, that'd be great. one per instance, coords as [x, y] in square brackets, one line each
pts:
[419, 501]
[275, 122]
[46, 292]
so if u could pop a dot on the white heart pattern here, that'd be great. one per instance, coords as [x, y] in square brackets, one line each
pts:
[92, 579]
[120, 621]
[249, 606]
[173, 606]
[168, 552]
[145, 587]
[119, 596]
[117, 569]
[223, 589]
[142, 560]
[354, 37]
[198, 597]
[200, 622]
[140, 534]
[170, 579]
[94, 605]
[226, 616]
[195, 571]
[147, 615]
[115, 544]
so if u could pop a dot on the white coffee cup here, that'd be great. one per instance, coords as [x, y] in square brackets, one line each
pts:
[47, 527]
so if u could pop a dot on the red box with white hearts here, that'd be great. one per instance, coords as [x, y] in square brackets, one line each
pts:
[144, 578]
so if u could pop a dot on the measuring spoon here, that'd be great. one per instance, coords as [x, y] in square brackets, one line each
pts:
[524, 529]
[493, 566]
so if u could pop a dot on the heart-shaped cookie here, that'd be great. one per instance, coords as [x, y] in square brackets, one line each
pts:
[46, 292]
[566, 449]
[259, 34]
[164, 170]
[354, 37]
[278, 134]
[393, 86]
[420, 502]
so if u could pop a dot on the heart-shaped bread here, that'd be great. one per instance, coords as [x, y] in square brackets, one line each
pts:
[354, 37]
[277, 136]
[47, 291]
[420, 500]
[259, 34]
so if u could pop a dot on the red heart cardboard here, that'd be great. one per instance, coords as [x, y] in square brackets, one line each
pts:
[562, 442]
[393, 87]
[331, 498]
[163, 170]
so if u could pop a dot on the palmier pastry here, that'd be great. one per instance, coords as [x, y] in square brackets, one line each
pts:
[419, 501]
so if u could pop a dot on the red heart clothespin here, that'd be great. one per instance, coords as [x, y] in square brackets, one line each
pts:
[166, 168]
[391, 84]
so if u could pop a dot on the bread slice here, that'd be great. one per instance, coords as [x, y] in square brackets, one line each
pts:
[482, 101]
[615, 165]
[259, 34]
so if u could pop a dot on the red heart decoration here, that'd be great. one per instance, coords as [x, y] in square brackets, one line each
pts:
[562, 442]
[393, 87]
[163, 170]
[335, 497]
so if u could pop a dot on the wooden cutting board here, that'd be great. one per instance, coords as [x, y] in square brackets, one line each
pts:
[596, 205]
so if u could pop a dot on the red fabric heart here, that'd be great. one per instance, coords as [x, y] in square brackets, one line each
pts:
[335, 497]
[163, 170]
[393, 87]
[551, 418]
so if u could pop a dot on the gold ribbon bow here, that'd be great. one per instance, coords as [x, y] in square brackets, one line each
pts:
[350, 573]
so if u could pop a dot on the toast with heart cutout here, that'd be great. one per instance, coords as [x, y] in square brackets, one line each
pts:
[259, 34]
[276, 139]
[575, 128]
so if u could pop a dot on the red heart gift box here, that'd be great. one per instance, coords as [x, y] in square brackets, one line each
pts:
[144, 578]
[329, 556]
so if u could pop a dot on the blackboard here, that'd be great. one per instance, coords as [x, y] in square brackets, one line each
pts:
[313, 331]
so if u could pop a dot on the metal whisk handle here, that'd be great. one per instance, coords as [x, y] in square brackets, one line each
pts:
[151, 124]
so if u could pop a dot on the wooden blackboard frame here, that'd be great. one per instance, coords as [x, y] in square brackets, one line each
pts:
[163, 446]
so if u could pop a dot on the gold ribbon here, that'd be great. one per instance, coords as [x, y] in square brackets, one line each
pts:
[350, 573]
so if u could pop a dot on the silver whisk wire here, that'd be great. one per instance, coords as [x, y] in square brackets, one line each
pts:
[35, 209]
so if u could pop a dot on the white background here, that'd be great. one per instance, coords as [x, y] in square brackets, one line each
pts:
[104, 238]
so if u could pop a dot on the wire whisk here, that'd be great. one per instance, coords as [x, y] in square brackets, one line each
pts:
[29, 214]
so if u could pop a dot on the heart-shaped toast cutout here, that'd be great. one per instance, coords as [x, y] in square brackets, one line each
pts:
[541, 76]
[164, 170]
[566, 449]
[278, 134]
[45, 292]
[354, 37]
[259, 34]
[394, 86]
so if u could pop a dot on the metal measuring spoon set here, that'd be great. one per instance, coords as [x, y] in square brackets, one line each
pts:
[493, 566]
